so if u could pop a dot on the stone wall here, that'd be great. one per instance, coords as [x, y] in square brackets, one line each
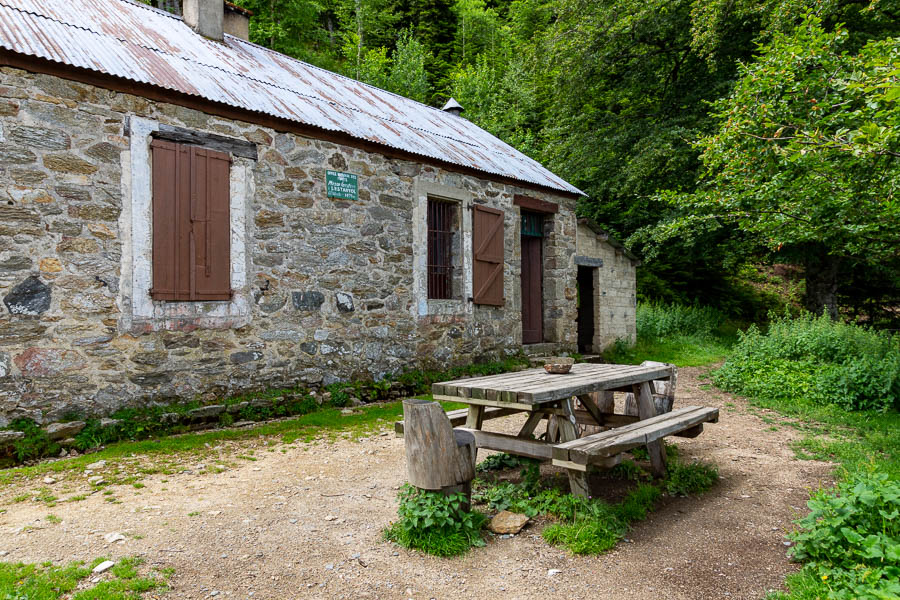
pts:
[325, 289]
[614, 285]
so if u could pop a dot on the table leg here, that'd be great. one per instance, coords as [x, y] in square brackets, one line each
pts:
[647, 409]
[531, 424]
[567, 431]
[578, 480]
[474, 420]
[578, 483]
[588, 403]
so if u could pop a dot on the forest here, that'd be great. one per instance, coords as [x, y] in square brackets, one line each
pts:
[739, 147]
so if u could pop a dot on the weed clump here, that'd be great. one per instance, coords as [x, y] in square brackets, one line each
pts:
[686, 479]
[436, 523]
[850, 541]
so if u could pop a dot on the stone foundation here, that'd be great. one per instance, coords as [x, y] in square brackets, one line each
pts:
[324, 289]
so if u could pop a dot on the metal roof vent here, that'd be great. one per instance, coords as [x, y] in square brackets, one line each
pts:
[453, 107]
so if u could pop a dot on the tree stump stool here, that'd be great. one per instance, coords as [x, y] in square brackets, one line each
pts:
[438, 457]
[663, 392]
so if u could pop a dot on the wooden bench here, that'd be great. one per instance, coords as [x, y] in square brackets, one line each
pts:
[603, 449]
[458, 417]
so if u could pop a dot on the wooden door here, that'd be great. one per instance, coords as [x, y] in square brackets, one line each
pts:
[532, 290]
[585, 309]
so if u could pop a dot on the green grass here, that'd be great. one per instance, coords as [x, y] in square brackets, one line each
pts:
[686, 336]
[19, 581]
[591, 525]
[362, 421]
[682, 351]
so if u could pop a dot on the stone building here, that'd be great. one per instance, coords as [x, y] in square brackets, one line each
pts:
[184, 213]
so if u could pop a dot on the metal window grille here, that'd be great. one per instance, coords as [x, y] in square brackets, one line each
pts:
[440, 249]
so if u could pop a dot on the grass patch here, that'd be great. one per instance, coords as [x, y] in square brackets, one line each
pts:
[19, 581]
[591, 525]
[362, 421]
[687, 336]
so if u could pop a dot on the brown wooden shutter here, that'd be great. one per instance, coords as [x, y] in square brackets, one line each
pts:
[487, 251]
[211, 225]
[165, 222]
[191, 225]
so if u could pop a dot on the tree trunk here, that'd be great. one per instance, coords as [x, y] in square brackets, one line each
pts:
[822, 282]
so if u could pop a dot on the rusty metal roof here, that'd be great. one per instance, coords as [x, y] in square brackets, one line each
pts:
[139, 43]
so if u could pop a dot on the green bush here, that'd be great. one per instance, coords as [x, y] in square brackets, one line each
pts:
[818, 360]
[36, 442]
[672, 320]
[850, 540]
[435, 523]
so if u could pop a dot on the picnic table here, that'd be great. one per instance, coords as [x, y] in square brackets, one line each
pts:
[542, 395]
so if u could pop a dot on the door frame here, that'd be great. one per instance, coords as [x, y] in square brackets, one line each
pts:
[531, 242]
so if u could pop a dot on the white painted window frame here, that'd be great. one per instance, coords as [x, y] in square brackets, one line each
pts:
[135, 222]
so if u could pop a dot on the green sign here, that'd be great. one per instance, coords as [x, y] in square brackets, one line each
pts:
[341, 185]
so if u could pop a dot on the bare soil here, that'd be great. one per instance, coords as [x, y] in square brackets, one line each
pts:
[304, 521]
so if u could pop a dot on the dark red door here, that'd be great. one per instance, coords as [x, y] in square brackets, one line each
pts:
[532, 288]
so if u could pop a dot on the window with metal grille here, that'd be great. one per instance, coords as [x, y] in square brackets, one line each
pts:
[441, 229]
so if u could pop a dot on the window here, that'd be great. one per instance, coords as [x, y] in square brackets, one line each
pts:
[191, 245]
[442, 253]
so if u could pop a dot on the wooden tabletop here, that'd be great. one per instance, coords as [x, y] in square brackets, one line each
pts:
[536, 386]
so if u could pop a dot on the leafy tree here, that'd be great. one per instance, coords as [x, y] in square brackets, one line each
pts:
[408, 77]
[293, 27]
[402, 73]
[477, 29]
[806, 157]
[433, 22]
[365, 24]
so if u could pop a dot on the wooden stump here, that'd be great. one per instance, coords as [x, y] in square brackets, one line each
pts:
[437, 456]
[663, 392]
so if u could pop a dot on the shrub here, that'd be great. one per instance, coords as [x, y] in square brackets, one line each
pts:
[36, 442]
[672, 320]
[817, 360]
[850, 540]
[435, 523]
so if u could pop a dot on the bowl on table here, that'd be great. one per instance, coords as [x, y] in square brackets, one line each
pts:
[559, 365]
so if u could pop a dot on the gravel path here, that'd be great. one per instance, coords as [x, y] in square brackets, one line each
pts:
[305, 520]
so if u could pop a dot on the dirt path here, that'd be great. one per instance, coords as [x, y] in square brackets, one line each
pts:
[305, 520]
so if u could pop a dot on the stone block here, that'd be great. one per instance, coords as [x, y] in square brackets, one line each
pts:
[39, 137]
[59, 431]
[308, 301]
[69, 163]
[8, 437]
[240, 358]
[206, 412]
[15, 263]
[31, 297]
[48, 362]
[50, 265]
[78, 245]
[93, 212]
[344, 302]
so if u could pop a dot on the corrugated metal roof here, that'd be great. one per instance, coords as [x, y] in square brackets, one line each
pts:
[139, 43]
